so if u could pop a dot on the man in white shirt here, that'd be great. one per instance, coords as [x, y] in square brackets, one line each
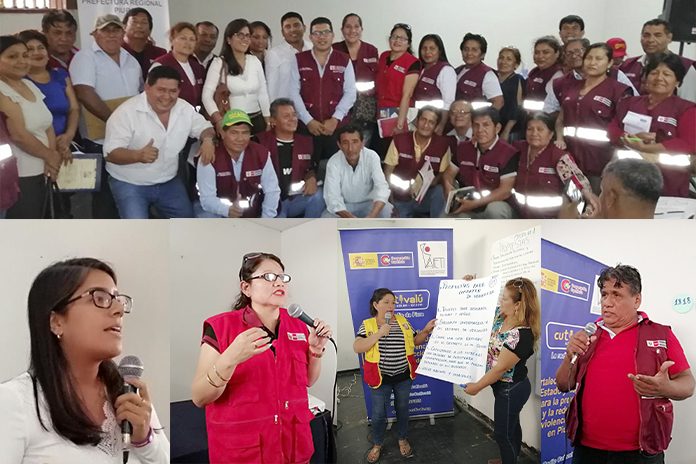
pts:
[143, 139]
[207, 39]
[355, 185]
[279, 58]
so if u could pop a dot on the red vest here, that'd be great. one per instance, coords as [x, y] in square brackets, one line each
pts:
[426, 88]
[656, 414]
[249, 185]
[538, 178]
[365, 66]
[149, 54]
[263, 414]
[665, 120]
[302, 149]
[187, 91]
[633, 69]
[390, 79]
[486, 174]
[537, 80]
[595, 110]
[321, 94]
[470, 84]
[408, 167]
[9, 177]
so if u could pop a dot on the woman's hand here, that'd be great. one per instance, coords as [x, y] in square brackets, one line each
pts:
[245, 345]
[136, 408]
[430, 326]
[52, 164]
[469, 277]
[384, 330]
[472, 388]
[560, 143]
[319, 335]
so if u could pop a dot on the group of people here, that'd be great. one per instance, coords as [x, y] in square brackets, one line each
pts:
[322, 128]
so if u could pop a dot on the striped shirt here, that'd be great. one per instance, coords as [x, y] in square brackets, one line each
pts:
[392, 350]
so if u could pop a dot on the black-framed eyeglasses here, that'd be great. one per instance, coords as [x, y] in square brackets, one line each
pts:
[103, 299]
[272, 277]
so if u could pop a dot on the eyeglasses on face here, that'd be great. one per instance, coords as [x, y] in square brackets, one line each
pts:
[103, 299]
[322, 33]
[242, 35]
[272, 277]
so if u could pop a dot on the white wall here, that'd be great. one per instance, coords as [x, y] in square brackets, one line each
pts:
[472, 244]
[664, 253]
[138, 252]
[205, 261]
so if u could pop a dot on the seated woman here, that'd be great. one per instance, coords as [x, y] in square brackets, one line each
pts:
[542, 171]
[254, 367]
[670, 140]
[388, 341]
[29, 123]
[69, 405]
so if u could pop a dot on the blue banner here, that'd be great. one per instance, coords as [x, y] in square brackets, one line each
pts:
[570, 299]
[411, 263]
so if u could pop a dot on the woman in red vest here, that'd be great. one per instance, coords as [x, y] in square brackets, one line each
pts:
[388, 341]
[183, 37]
[437, 80]
[514, 334]
[547, 50]
[254, 367]
[670, 139]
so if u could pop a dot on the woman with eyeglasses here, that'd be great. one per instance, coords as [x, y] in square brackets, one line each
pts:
[69, 405]
[437, 80]
[388, 340]
[512, 85]
[244, 76]
[254, 367]
[514, 335]
[364, 57]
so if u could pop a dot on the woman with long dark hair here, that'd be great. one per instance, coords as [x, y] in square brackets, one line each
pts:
[388, 341]
[437, 81]
[260, 40]
[244, 76]
[514, 335]
[254, 367]
[69, 405]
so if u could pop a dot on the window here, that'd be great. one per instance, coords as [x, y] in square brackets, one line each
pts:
[33, 4]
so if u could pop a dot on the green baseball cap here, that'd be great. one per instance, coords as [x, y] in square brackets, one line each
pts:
[234, 117]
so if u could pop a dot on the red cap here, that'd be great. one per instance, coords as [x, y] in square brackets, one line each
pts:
[618, 46]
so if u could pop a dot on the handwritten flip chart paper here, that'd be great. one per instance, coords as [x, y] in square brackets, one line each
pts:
[458, 347]
[518, 255]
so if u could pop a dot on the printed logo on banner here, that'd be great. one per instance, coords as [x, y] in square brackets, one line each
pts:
[362, 260]
[564, 285]
[549, 280]
[558, 335]
[398, 259]
[412, 299]
[432, 259]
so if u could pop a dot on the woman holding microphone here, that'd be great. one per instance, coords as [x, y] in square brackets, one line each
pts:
[254, 367]
[69, 405]
[388, 341]
[513, 337]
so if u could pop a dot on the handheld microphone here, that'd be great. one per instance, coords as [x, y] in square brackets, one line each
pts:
[387, 317]
[590, 329]
[296, 311]
[130, 366]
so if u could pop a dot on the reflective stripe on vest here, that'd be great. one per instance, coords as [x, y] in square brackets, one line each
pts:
[533, 105]
[5, 151]
[364, 86]
[439, 104]
[400, 183]
[477, 105]
[665, 159]
[586, 133]
[538, 201]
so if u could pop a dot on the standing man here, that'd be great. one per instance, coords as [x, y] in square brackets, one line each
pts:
[207, 39]
[322, 87]
[292, 156]
[655, 38]
[489, 165]
[355, 185]
[407, 154]
[280, 58]
[143, 139]
[241, 180]
[104, 75]
[60, 29]
[571, 27]
[137, 41]
[625, 376]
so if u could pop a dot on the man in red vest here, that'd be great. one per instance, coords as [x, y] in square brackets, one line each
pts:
[322, 87]
[60, 29]
[407, 155]
[137, 40]
[625, 376]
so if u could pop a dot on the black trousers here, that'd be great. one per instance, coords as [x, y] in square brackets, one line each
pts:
[32, 191]
[587, 455]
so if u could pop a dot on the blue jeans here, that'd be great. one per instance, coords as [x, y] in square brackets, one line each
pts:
[134, 201]
[381, 399]
[587, 455]
[310, 206]
[509, 400]
[433, 204]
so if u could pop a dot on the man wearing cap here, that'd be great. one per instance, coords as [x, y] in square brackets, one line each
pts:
[618, 50]
[322, 86]
[143, 139]
[137, 41]
[655, 38]
[624, 376]
[241, 180]
[103, 75]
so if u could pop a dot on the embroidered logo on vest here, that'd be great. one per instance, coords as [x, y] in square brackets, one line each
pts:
[667, 120]
[254, 173]
[490, 168]
[401, 69]
[297, 337]
[470, 83]
[306, 69]
[432, 158]
[224, 174]
[547, 171]
[428, 80]
[335, 68]
[304, 156]
[467, 163]
[405, 155]
[657, 343]
[369, 60]
[603, 100]
[538, 80]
